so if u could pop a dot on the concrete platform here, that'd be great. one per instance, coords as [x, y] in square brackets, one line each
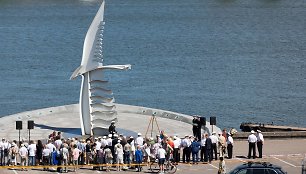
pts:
[131, 120]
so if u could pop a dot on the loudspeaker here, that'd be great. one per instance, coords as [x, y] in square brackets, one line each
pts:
[18, 125]
[30, 124]
[213, 121]
[203, 120]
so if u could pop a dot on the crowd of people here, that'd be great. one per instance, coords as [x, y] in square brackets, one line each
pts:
[120, 151]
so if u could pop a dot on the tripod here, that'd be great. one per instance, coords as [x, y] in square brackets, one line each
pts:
[151, 124]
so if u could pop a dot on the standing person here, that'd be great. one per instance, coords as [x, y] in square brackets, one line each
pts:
[52, 148]
[252, 144]
[195, 125]
[39, 149]
[108, 158]
[161, 155]
[81, 146]
[65, 156]
[23, 152]
[222, 166]
[114, 142]
[127, 152]
[176, 152]
[32, 153]
[46, 154]
[222, 144]
[13, 154]
[88, 152]
[100, 159]
[112, 128]
[214, 143]
[203, 149]
[260, 142]
[75, 156]
[199, 128]
[195, 148]
[208, 156]
[230, 143]
[186, 149]
[138, 158]
[119, 153]
[139, 140]
[5, 146]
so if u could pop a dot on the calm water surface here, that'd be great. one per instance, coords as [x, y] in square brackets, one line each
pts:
[239, 60]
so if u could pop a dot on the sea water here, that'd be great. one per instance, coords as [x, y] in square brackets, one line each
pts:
[238, 60]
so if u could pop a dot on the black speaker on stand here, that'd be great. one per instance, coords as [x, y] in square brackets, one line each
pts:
[19, 127]
[30, 126]
[213, 121]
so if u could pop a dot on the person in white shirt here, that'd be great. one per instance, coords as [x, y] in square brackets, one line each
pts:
[23, 152]
[214, 143]
[46, 153]
[260, 142]
[98, 144]
[203, 141]
[13, 154]
[58, 143]
[65, 154]
[230, 143]
[186, 142]
[32, 152]
[119, 153]
[139, 140]
[5, 147]
[52, 148]
[252, 144]
[176, 152]
[109, 140]
[103, 142]
[161, 154]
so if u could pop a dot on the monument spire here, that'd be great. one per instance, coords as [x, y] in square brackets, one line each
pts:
[97, 108]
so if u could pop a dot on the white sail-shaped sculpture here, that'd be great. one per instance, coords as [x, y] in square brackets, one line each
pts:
[97, 108]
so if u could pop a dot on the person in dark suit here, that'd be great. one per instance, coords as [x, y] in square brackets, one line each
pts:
[112, 128]
[195, 125]
[208, 149]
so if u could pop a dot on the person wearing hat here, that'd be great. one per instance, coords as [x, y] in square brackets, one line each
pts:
[176, 153]
[112, 128]
[260, 142]
[230, 143]
[186, 142]
[214, 143]
[23, 152]
[195, 125]
[139, 140]
[13, 153]
[252, 144]
[5, 146]
[208, 155]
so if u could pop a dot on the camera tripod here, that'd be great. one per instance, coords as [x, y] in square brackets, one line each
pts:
[151, 124]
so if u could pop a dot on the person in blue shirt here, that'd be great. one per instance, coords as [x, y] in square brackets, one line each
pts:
[195, 148]
[138, 158]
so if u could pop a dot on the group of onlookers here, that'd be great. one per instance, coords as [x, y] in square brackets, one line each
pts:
[118, 150]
